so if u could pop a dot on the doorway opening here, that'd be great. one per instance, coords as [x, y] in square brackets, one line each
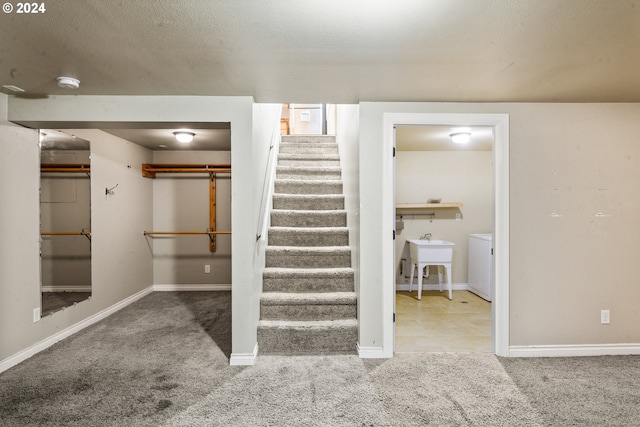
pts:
[444, 193]
[308, 119]
[499, 125]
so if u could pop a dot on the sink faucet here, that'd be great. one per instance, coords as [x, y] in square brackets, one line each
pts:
[426, 237]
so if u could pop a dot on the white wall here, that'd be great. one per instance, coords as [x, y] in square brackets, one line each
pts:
[20, 231]
[347, 128]
[266, 136]
[121, 258]
[453, 176]
[574, 227]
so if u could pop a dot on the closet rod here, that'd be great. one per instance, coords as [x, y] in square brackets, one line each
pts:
[65, 233]
[86, 234]
[150, 233]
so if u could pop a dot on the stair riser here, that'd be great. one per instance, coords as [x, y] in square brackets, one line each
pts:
[302, 187]
[308, 284]
[309, 163]
[306, 139]
[333, 219]
[284, 238]
[307, 261]
[294, 341]
[308, 148]
[308, 176]
[307, 203]
[307, 312]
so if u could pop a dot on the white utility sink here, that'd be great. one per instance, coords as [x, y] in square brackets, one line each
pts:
[430, 252]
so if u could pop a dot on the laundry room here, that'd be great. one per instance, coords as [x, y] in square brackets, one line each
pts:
[444, 202]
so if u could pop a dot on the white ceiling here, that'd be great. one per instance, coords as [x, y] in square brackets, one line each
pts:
[330, 51]
[212, 136]
[163, 139]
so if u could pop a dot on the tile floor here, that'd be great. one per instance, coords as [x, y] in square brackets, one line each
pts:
[437, 324]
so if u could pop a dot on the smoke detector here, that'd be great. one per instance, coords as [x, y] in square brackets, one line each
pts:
[68, 82]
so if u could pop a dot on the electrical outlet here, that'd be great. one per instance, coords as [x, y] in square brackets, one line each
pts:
[207, 268]
[605, 318]
[457, 216]
[36, 314]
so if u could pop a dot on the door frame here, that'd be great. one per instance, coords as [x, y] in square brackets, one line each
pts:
[500, 303]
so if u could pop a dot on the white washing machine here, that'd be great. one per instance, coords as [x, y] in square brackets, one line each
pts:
[481, 265]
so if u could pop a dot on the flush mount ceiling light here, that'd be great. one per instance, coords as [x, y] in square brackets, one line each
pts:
[184, 136]
[68, 82]
[460, 137]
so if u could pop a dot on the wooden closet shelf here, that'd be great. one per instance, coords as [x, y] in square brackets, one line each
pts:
[446, 205]
[65, 167]
[149, 170]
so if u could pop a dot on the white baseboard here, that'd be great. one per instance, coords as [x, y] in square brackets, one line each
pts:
[432, 286]
[573, 350]
[13, 360]
[244, 359]
[79, 288]
[370, 352]
[193, 287]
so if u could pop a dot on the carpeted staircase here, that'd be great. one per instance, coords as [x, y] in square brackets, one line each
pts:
[308, 305]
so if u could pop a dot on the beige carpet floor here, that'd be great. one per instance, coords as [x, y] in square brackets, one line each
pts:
[164, 361]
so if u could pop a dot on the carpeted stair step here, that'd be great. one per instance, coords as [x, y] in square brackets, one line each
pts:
[308, 257]
[308, 236]
[308, 148]
[307, 279]
[307, 337]
[308, 201]
[331, 139]
[299, 186]
[309, 172]
[308, 218]
[316, 160]
[307, 306]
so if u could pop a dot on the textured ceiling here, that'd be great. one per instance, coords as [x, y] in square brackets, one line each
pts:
[330, 51]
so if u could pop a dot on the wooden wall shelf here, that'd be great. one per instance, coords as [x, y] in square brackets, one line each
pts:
[65, 167]
[150, 170]
[413, 206]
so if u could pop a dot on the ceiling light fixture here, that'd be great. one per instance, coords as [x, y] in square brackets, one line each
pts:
[68, 82]
[460, 137]
[184, 136]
